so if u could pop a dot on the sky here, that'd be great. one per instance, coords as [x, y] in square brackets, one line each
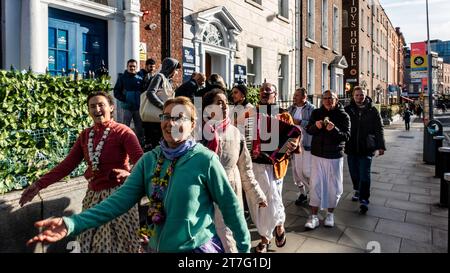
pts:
[410, 16]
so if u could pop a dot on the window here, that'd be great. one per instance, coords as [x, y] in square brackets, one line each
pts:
[253, 65]
[362, 63]
[310, 20]
[324, 77]
[368, 62]
[336, 33]
[368, 25]
[282, 62]
[255, 1]
[212, 35]
[283, 8]
[325, 23]
[362, 17]
[310, 77]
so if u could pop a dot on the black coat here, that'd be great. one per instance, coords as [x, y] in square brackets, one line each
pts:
[187, 89]
[365, 121]
[329, 144]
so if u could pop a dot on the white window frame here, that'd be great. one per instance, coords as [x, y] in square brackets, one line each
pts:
[362, 63]
[283, 77]
[256, 74]
[310, 20]
[368, 62]
[283, 8]
[310, 75]
[324, 23]
[336, 28]
[362, 18]
[325, 76]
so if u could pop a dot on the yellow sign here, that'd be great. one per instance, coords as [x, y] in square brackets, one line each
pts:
[419, 57]
[142, 52]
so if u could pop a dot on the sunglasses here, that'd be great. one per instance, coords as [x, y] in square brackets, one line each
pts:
[168, 117]
[268, 91]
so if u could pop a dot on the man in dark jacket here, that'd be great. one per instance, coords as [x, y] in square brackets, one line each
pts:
[367, 136]
[147, 73]
[128, 90]
[329, 126]
[189, 89]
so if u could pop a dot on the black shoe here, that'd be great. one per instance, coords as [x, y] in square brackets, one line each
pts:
[301, 200]
[355, 196]
[364, 207]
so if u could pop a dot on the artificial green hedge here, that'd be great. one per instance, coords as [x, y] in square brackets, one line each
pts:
[40, 118]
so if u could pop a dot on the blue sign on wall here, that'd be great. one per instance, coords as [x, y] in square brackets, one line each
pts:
[188, 56]
[240, 74]
[188, 63]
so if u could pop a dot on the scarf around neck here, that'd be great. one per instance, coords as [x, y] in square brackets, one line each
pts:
[220, 126]
[179, 151]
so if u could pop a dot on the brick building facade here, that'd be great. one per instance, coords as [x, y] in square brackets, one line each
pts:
[373, 54]
[322, 62]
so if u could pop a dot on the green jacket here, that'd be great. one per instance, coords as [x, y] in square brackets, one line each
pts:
[197, 181]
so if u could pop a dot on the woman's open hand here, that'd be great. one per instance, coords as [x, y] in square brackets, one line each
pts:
[54, 230]
[29, 194]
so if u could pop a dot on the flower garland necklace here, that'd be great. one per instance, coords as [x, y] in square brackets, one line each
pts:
[95, 156]
[159, 186]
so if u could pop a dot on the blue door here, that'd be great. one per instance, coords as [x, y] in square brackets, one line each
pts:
[61, 46]
[75, 41]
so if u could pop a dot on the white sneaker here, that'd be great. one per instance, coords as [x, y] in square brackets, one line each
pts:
[312, 222]
[329, 220]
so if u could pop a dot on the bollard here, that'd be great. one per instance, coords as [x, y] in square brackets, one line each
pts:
[447, 179]
[445, 164]
[438, 164]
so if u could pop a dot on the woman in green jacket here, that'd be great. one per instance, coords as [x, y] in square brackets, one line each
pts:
[182, 180]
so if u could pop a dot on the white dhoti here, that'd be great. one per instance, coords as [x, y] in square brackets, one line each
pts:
[266, 219]
[301, 169]
[326, 182]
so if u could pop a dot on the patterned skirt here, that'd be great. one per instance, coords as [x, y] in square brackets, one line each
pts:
[117, 236]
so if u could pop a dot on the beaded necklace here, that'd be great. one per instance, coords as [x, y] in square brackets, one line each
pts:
[159, 187]
[95, 156]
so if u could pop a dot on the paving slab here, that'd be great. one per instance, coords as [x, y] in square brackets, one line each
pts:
[312, 245]
[356, 220]
[425, 199]
[358, 238]
[411, 189]
[407, 205]
[410, 246]
[426, 219]
[440, 237]
[390, 194]
[405, 230]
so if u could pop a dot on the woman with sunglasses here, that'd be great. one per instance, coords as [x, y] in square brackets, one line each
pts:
[228, 143]
[182, 180]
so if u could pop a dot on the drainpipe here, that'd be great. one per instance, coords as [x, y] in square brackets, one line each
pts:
[169, 24]
[301, 42]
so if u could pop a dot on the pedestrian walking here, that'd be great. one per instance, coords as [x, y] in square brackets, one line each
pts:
[169, 68]
[407, 117]
[183, 180]
[330, 127]
[269, 173]
[301, 112]
[190, 88]
[226, 141]
[127, 90]
[367, 137]
[107, 147]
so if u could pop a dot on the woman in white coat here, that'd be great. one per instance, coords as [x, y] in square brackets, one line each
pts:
[220, 136]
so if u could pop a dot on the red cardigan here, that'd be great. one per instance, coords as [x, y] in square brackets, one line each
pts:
[121, 146]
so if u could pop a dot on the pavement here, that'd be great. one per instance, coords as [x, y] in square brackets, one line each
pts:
[403, 217]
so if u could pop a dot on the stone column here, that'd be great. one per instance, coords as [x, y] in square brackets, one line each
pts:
[132, 16]
[34, 38]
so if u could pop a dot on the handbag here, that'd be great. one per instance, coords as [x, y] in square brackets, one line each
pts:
[150, 112]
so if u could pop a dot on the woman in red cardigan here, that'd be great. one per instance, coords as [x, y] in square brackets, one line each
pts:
[107, 147]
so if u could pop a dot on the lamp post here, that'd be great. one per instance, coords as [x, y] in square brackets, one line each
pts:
[430, 72]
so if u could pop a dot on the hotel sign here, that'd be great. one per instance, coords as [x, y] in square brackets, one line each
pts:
[354, 38]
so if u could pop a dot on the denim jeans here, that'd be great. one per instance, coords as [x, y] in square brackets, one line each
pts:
[359, 168]
[129, 115]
